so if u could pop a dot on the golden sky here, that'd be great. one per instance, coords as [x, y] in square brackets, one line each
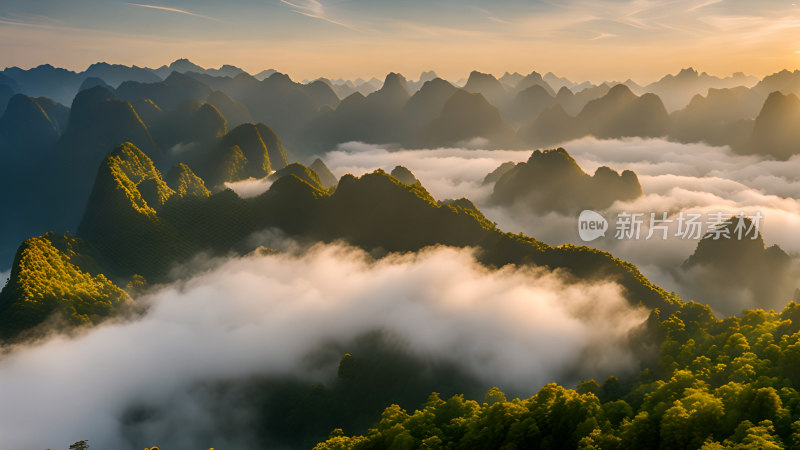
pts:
[585, 40]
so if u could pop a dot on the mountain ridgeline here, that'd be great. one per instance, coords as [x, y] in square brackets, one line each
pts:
[142, 224]
[516, 111]
[553, 181]
[41, 138]
[182, 132]
[143, 163]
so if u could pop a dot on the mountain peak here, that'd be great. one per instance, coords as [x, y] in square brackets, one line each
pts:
[480, 77]
[486, 84]
[564, 92]
[395, 81]
[300, 171]
[185, 183]
[775, 130]
[178, 76]
[326, 177]
[184, 65]
[620, 91]
[778, 101]
[52, 273]
[552, 180]
[278, 76]
[404, 175]
[427, 76]
[534, 75]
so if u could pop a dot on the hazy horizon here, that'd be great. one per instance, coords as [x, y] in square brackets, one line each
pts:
[410, 76]
[581, 40]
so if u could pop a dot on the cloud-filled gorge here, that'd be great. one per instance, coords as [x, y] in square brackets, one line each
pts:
[268, 313]
[693, 178]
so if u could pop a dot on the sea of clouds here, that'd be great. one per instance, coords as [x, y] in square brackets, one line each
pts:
[263, 314]
[689, 178]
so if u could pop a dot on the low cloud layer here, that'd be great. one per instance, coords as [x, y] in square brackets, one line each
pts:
[517, 328]
[249, 187]
[675, 177]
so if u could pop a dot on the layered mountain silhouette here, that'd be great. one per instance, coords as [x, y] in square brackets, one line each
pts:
[116, 74]
[127, 193]
[45, 81]
[739, 271]
[552, 181]
[424, 106]
[557, 83]
[495, 175]
[235, 112]
[510, 80]
[31, 126]
[721, 117]
[551, 126]
[211, 124]
[574, 102]
[528, 104]
[403, 175]
[775, 130]
[619, 113]
[301, 172]
[312, 119]
[98, 121]
[326, 177]
[424, 77]
[91, 82]
[469, 119]
[488, 86]
[183, 65]
[167, 94]
[185, 183]
[49, 154]
[677, 90]
[138, 224]
[248, 139]
[531, 80]
[376, 118]
[191, 122]
[785, 81]
[286, 105]
[6, 92]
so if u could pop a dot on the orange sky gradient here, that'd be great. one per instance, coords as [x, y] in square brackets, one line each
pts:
[630, 39]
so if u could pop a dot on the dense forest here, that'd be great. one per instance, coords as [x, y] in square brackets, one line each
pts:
[729, 383]
[137, 193]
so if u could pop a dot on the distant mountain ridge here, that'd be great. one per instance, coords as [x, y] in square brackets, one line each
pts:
[552, 180]
[309, 117]
[138, 224]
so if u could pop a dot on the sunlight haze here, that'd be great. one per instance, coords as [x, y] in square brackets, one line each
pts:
[592, 40]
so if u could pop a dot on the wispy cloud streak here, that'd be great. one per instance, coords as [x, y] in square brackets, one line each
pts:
[174, 10]
[316, 10]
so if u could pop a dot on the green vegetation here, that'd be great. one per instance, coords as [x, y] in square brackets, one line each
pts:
[132, 204]
[184, 182]
[730, 383]
[553, 181]
[56, 274]
[300, 171]
[121, 218]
